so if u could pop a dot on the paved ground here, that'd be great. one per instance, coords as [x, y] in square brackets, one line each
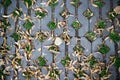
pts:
[87, 25]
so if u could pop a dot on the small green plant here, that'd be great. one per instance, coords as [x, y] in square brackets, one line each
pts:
[79, 74]
[92, 62]
[16, 36]
[4, 49]
[17, 12]
[40, 14]
[88, 13]
[28, 3]
[66, 37]
[27, 75]
[101, 24]
[53, 3]
[103, 49]
[2, 74]
[42, 61]
[78, 49]
[28, 25]
[75, 3]
[18, 61]
[7, 47]
[52, 25]
[76, 24]
[28, 48]
[111, 15]
[54, 72]
[91, 36]
[6, 3]
[99, 3]
[65, 61]
[41, 37]
[5, 24]
[65, 13]
[114, 36]
[54, 48]
[117, 62]
[103, 73]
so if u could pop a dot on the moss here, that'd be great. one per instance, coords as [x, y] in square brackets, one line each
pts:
[104, 49]
[28, 3]
[54, 48]
[41, 37]
[16, 36]
[4, 50]
[6, 3]
[115, 37]
[2, 74]
[8, 47]
[91, 36]
[28, 25]
[17, 12]
[28, 48]
[78, 48]
[40, 15]
[53, 3]
[92, 62]
[76, 24]
[65, 13]
[79, 74]
[65, 61]
[27, 75]
[88, 13]
[101, 24]
[18, 61]
[103, 73]
[117, 62]
[54, 72]
[52, 25]
[99, 3]
[75, 3]
[42, 61]
[5, 24]
[111, 15]
[66, 37]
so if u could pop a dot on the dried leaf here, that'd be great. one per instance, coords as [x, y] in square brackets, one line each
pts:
[39, 49]
[117, 9]
[92, 2]
[1, 62]
[58, 41]
[62, 24]
[118, 51]
[117, 22]
[110, 28]
[7, 16]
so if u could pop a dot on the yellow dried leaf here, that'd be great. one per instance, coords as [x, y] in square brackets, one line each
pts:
[117, 9]
[1, 62]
